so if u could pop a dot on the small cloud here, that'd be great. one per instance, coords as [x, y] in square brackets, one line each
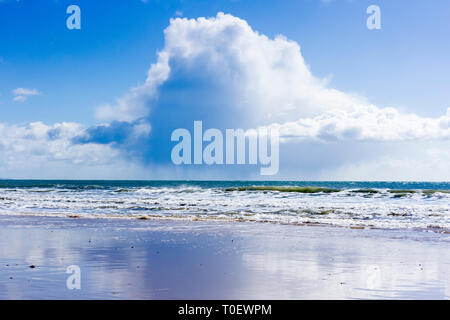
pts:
[179, 13]
[19, 98]
[25, 92]
[21, 94]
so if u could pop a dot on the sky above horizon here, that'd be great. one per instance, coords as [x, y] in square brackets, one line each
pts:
[100, 102]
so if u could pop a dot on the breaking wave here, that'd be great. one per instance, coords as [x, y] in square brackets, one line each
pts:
[347, 204]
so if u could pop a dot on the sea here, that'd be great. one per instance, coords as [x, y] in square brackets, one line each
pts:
[356, 204]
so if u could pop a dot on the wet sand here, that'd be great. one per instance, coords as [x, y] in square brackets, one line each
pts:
[148, 259]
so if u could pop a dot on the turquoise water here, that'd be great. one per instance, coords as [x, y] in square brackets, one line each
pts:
[104, 184]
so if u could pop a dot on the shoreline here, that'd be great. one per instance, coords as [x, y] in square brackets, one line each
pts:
[162, 259]
[224, 220]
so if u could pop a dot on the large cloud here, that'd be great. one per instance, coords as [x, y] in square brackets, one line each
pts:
[269, 80]
[221, 71]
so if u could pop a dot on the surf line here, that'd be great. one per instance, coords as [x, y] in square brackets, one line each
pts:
[255, 152]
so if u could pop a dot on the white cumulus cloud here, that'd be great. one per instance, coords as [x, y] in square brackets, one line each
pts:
[368, 123]
[273, 83]
[37, 143]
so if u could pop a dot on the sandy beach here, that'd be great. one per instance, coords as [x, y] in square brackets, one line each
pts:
[144, 259]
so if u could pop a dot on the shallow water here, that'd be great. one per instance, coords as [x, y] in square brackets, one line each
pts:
[392, 205]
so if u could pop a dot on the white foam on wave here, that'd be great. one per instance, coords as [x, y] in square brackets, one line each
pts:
[345, 208]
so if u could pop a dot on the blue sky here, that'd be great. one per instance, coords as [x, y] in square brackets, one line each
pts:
[404, 65]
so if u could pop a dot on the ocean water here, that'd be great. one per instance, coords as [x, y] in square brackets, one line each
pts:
[391, 205]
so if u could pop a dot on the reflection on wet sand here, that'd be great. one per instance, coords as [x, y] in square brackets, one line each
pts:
[212, 260]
